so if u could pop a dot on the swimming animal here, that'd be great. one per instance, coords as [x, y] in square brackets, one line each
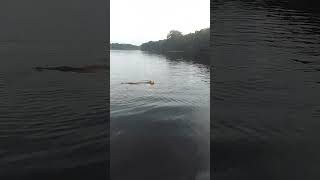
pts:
[141, 82]
[83, 69]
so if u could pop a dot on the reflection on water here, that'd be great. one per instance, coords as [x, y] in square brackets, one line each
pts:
[265, 91]
[158, 131]
[52, 124]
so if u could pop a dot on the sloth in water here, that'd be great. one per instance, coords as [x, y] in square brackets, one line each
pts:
[141, 82]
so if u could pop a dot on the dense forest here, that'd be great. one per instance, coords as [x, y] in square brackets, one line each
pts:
[196, 43]
[117, 46]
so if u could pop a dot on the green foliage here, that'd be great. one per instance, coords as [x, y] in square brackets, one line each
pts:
[196, 43]
[117, 46]
[174, 34]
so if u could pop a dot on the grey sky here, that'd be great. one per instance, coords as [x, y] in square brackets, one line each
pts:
[139, 21]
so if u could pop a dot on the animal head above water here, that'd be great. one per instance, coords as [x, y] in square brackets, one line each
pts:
[140, 82]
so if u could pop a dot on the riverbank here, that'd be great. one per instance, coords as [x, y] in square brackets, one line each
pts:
[190, 45]
[117, 46]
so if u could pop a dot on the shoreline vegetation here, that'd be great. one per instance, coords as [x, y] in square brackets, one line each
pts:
[193, 44]
[117, 46]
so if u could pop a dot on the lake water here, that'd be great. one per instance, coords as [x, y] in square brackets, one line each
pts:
[52, 124]
[265, 91]
[159, 131]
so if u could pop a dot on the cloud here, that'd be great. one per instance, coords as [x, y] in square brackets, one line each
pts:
[140, 21]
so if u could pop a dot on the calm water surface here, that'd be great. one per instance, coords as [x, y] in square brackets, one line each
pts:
[159, 131]
[265, 91]
[52, 123]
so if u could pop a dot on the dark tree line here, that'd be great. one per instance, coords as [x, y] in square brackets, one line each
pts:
[196, 43]
[117, 46]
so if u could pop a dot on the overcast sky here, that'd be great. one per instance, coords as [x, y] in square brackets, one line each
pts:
[139, 21]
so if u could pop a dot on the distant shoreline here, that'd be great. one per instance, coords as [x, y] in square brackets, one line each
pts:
[118, 46]
[193, 44]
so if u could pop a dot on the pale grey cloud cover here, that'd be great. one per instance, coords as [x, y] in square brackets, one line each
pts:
[138, 21]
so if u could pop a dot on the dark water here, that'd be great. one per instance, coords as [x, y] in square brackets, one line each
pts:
[159, 131]
[265, 91]
[52, 124]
